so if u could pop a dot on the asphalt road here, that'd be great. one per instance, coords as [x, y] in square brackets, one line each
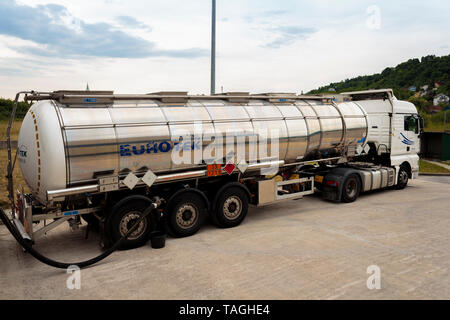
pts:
[303, 249]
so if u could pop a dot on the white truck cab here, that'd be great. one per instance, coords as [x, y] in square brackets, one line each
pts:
[394, 129]
[407, 126]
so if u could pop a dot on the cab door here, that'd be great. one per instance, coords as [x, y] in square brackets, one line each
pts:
[405, 134]
[410, 134]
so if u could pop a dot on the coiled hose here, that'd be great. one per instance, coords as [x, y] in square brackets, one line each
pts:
[62, 265]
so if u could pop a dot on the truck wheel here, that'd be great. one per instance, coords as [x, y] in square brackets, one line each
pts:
[124, 217]
[402, 178]
[351, 188]
[230, 208]
[186, 213]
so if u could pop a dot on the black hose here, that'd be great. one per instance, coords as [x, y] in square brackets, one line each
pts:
[16, 234]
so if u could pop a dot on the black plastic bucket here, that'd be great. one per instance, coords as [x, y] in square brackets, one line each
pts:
[158, 239]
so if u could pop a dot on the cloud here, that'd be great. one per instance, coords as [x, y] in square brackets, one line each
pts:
[130, 22]
[60, 34]
[12, 72]
[286, 35]
[262, 16]
[277, 23]
[272, 13]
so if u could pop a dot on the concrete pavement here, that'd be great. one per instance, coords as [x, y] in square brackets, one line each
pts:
[303, 249]
[440, 178]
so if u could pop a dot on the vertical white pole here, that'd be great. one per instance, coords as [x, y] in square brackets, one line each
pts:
[213, 49]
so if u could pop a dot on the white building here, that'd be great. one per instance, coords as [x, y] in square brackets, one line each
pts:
[440, 98]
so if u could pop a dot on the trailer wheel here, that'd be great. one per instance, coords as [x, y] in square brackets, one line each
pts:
[186, 214]
[402, 178]
[230, 208]
[351, 188]
[124, 217]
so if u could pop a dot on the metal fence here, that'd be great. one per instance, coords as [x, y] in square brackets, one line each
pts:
[3, 145]
[435, 145]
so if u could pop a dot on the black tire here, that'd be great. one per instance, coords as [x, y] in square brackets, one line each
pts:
[124, 216]
[402, 180]
[230, 208]
[186, 213]
[351, 188]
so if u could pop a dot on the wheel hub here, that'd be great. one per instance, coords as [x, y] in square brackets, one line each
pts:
[186, 216]
[232, 208]
[128, 221]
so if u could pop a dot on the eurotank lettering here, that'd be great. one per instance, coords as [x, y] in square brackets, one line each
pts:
[128, 150]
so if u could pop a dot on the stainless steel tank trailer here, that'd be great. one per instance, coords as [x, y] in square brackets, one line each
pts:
[106, 157]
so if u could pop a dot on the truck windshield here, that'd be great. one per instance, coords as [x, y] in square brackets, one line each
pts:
[411, 124]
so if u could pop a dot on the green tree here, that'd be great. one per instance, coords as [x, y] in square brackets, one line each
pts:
[421, 104]
[6, 106]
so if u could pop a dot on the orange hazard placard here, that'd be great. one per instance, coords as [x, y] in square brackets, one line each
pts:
[214, 170]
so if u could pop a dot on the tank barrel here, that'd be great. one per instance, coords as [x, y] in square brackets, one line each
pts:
[69, 138]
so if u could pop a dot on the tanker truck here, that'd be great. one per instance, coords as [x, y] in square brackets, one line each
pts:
[105, 158]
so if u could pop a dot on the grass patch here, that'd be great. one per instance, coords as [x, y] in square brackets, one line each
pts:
[18, 180]
[14, 130]
[428, 167]
[436, 127]
[435, 122]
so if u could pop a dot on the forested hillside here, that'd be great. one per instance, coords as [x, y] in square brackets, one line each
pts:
[429, 70]
[419, 81]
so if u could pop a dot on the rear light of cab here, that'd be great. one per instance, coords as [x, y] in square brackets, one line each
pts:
[332, 183]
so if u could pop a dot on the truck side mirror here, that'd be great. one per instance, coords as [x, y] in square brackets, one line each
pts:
[421, 125]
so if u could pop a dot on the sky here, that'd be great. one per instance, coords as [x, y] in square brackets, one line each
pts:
[143, 46]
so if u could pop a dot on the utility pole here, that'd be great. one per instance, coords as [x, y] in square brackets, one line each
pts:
[213, 49]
